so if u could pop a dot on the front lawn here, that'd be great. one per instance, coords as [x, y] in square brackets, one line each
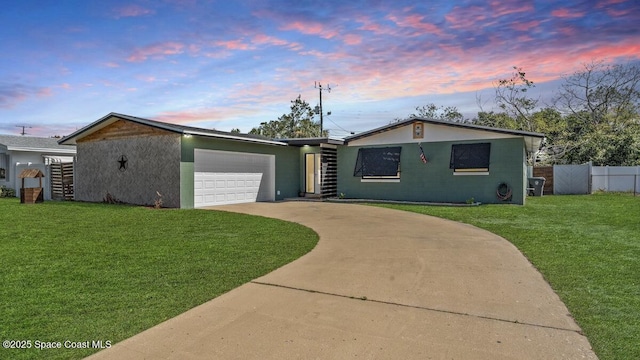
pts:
[588, 249]
[87, 272]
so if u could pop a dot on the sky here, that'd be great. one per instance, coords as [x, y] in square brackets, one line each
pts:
[234, 64]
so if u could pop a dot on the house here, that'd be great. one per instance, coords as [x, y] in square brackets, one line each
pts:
[138, 161]
[21, 152]
[437, 161]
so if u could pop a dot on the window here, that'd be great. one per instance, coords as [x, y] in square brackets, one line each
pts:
[378, 163]
[4, 165]
[470, 158]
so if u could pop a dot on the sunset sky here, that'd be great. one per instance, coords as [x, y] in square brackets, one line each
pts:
[234, 64]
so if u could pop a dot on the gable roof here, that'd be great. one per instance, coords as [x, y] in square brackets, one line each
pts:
[179, 129]
[533, 139]
[34, 144]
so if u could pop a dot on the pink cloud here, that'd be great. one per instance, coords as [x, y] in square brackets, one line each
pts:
[132, 11]
[233, 45]
[565, 13]
[369, 25]
[310, 28]
[502, 7]
[202, 115]
[44, 92]
[567, 30]
[156, 51]
[618, 13]
[525, 26]
[352, 39]
[465, 18]
[147, 78]
[112, 65]
[263, 39]
[415, 22]
[605, 3]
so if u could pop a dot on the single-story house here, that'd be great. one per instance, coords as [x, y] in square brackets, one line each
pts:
[21, 152]
[135, 160]
[437, 161]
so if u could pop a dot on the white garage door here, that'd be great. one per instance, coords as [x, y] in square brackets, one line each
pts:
[225, 177]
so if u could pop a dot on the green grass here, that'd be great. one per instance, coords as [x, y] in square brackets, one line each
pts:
[588, 249]
[84, 272]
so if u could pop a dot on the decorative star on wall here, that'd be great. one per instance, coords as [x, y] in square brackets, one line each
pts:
[123, 163]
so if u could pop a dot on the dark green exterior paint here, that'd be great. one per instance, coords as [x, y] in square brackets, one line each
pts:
[434, 181]
[287, 164]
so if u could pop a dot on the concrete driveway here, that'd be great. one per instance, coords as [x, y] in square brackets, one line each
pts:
[380, 284]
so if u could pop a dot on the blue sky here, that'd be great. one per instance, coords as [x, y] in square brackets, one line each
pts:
[234, 64]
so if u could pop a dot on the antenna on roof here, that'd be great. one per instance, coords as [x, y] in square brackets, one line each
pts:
[23, 133]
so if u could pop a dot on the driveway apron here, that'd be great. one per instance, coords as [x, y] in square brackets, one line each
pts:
[380, 284]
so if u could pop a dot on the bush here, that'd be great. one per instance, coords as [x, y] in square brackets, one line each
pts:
[7, 192]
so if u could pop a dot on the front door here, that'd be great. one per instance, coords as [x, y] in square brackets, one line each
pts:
[312, 173]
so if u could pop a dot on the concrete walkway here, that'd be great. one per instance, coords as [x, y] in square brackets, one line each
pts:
[380, 284]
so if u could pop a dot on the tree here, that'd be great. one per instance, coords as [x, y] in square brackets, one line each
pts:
[296, 124]
[235, 131]
[433, 111]
[496, 120]
[602, 112]
[602, 93]
[511, 97]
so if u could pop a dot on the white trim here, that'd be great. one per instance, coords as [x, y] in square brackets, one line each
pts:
[380, 180]
[48, 150]
[470, 173]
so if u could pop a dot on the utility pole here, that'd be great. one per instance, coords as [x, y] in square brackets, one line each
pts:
[23, 133]
[320, 89]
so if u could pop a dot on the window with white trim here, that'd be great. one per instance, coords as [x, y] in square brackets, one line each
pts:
[4, 166]
[470, 158]
[378, 163]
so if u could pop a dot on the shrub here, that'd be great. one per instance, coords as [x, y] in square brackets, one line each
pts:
[7, 191]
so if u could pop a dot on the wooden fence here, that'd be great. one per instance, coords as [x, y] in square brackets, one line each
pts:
[61, 181]
[547, 173]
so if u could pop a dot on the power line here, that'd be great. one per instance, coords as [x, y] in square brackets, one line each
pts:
[334, 123]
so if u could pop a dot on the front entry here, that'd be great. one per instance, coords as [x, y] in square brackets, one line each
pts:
[312, 173]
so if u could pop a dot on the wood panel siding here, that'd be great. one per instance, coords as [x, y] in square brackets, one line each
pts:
[547, 173]
[62, 181]
[122, 129]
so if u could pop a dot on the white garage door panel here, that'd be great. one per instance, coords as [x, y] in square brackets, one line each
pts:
[222, 177]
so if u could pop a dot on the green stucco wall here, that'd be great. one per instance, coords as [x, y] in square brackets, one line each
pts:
[287, 164]
[434, 181]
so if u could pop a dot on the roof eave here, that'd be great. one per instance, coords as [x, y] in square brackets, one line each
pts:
[231, 137]
[104, 121]
[444, 123]
[43, 150]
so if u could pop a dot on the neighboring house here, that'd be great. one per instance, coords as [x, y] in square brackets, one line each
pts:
[137, 161]
[20, 152]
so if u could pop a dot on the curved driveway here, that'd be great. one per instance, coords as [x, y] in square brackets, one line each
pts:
[380, 284]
